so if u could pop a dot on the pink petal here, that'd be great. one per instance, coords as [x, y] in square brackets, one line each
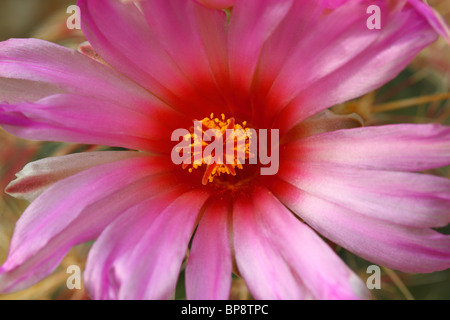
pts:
[345, 59]
[296, 26]
[75, 210]
[409, 199]
[178, 26]
[266, 273]
[69, 71]
[81, 119]
[38, 176]
[214, 34]
[268, 237]
[433, 18]
[251, 24]
[120, 239]
[162, 51]
[208, 271]
[403, 248]
[406, 147]
[144, 262]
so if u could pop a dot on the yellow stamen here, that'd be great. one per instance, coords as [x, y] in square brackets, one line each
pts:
[230, 162]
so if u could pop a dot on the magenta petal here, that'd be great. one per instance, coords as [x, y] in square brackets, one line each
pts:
[405, 147]
[67, 70]
[38, 176]
[157, 44]
[410, 199]
[81, 119]
[195, 39]
[251, 24]
[119, 239]
[266, 273]
[145, 261]
[408, 249]
[72, 211]
[208, 271]
[433, 18]
[345, 59]
[317, 268]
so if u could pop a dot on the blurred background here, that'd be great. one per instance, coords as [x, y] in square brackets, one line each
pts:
[420, 94]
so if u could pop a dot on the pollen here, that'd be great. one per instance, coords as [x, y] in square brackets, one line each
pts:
[234, 140]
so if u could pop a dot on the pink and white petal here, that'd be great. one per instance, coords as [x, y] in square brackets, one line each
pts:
[409, 199]
[208, 270]
[217, 4]
[349, 60]
[251, 24]
[38, 176]
[83, 119]
[404, 147]
[403, 248]
[320, 269]
[120, 238]
[267, 274]
[150, 269]
[70, 71]
[76, 210]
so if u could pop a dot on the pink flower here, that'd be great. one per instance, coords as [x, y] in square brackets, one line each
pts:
[275, 64]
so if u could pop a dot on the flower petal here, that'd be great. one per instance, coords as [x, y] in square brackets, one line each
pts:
[120, 238]
[82, 119]
[433, 18]
[144, 263]
[345, 59]
[208, 270]
[156, 43]
[76, 210]
[67, 70]
[266, 273]
[320, 270]
[38, 176]
[410, 199]
[403, 248]
[195, 38]
[405, 147]
[251, 24]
